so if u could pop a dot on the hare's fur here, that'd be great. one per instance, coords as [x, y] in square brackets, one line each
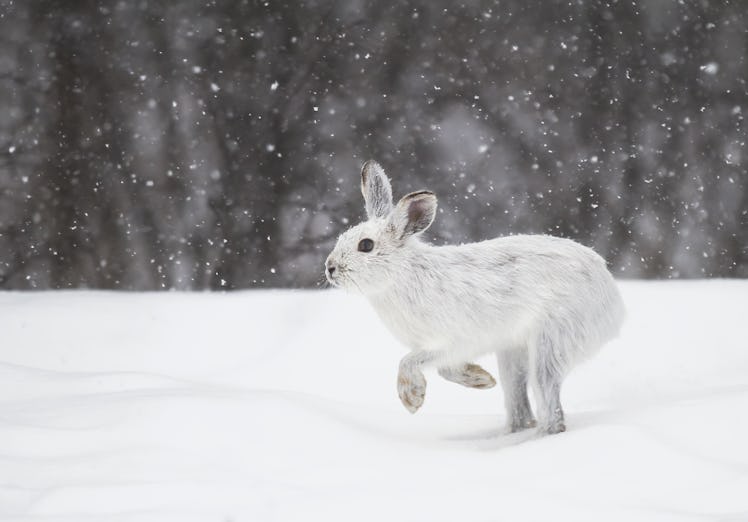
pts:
[541, 303]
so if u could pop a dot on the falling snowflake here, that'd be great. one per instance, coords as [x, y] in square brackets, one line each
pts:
[710, 68]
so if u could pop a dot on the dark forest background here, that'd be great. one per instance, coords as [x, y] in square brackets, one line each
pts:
[217, 144]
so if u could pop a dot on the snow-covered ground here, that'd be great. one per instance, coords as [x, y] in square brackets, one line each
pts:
[262, 406]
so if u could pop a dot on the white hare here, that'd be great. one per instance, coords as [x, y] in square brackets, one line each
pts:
[540, 303]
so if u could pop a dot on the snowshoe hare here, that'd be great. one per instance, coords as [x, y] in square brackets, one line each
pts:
[540, 303]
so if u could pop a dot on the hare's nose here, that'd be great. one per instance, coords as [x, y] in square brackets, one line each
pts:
[330, 269]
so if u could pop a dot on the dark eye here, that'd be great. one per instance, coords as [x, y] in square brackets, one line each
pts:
[365, 245]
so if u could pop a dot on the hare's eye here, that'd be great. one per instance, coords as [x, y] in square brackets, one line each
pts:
[365, 245]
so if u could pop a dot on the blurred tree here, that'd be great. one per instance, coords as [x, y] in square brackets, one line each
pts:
[216, 144]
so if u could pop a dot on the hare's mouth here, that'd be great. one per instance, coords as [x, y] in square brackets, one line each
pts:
[340, 278]
[333, 279]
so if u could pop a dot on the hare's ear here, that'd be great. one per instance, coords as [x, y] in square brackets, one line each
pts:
[414, 213]
[376, 190]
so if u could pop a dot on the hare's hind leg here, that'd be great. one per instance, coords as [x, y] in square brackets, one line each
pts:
[547, 370]
[513, 371]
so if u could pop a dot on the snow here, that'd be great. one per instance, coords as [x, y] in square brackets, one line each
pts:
[278, 405]
[710, 68]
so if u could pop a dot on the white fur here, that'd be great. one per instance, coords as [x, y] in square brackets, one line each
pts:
[548, 302]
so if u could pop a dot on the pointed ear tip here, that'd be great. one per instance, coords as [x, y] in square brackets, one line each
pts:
[421, 194]
[370, 165]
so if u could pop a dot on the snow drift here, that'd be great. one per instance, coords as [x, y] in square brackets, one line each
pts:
[262, 406]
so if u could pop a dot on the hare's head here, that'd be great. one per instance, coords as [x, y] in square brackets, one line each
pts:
[369, 256]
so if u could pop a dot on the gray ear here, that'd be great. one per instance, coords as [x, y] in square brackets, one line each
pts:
[414, 213]
[376, 190]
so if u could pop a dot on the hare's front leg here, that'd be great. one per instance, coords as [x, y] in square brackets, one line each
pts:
[470, 375]
[411, 384]
[513, 370]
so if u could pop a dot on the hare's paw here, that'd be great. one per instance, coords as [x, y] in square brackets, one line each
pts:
[476, 377]
[411, 387]
[552, 428]
[470, 375]
[521, 424]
